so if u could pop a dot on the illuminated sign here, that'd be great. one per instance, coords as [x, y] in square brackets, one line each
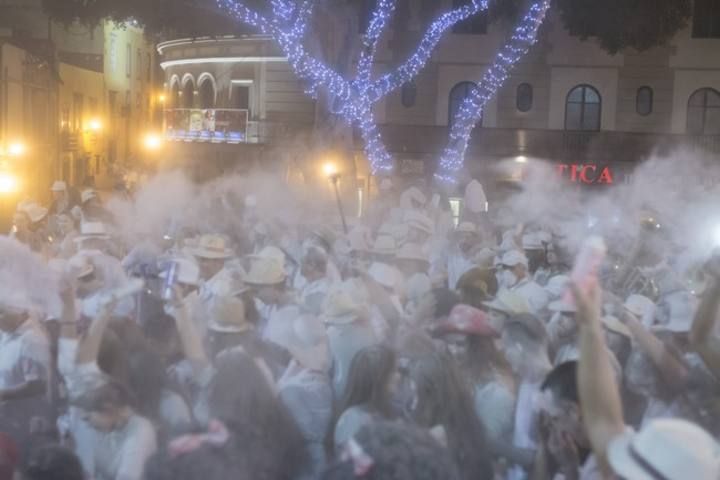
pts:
[206, 125]
[587, 174]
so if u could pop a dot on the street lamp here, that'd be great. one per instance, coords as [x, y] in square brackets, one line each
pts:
[161, 98]
[332, 173]
[95, 125]
[152, 142]
[16, 149]
[8, 183]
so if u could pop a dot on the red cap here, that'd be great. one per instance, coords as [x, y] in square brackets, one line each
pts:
[469, 321]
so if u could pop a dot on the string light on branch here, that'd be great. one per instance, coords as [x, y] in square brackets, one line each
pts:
[471, 109]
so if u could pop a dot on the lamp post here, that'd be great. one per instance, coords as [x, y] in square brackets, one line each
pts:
[333, 175]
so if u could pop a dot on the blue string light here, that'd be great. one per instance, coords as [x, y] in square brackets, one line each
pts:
[471, 109]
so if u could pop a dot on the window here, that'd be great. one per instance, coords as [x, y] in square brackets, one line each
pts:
[175, 95]
[524, 98]
[128, 61]
[408, 94]
[475, 25]
[188, 94]
[138, 64]
[457, 95]
[706, 19]
[583, 109]
[241, 97]
[704, 112]
[644, 101]
[207, 94]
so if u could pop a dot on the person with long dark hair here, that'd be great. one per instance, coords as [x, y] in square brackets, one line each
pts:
[445, 406]
[367, 393]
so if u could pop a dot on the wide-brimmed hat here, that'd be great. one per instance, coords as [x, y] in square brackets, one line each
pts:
[92, 231]
[671, 449]
[514, 258]
[272, 253]
[508, 302]
[340, 308]
[226, 314]
[466, 227]
[58, 186]
[87, 195]
[33, 210]
[384, 245]
[420, 222]
[265, 271]
[469, 321]
[211, 246]
[309, 343]
[616, 326]
[412, 251]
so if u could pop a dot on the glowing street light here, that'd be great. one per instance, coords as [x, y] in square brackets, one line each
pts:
[161, 98]
[16, 149]
[332, 173]
[152, 142]
[330, 170]
[521, 159]
[95, 125]
[8, 183]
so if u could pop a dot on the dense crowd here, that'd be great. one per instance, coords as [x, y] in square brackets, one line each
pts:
[417, 345]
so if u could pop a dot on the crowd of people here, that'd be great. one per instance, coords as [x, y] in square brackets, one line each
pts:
[417, 345]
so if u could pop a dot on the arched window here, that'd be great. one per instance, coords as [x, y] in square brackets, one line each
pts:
[524, 98]
[408, 94]
[644, 101]
[188, 94]
[207, 94]
[704, 112]
[175, 95]
[583, 109]
[457, 95]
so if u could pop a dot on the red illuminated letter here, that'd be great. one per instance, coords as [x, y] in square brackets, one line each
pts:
[606, 176]
[583, 173]
[573, 173]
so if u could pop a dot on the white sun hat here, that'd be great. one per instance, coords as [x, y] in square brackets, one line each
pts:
[265, 271]
[273, 253]
[514, 258]
[87, 195]
[669, 449]
[339, 307]
[420, 222]
[58, 186]
[92, 231]
[508, 302]
[211, 246]
[412, 251]
[227, 315]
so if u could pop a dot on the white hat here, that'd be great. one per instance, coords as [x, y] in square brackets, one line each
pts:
[92, 230]
[339, 307]
[88, 194]
[508, 302]
[412, 194]
[466, 227]
[227, 315]
[681, 310]
[513, 258]
[670, 449]
[420, 222]
[384, 245]
[188, 271]
[639, 305]
[272, 253]
[211, 247]
[475, 199]
[265, 271]
[59, 186]
[412, 251]
[557, 285]
[309, 343]
[384, 274]
[532, 241]
[34, 211]
[616, 326]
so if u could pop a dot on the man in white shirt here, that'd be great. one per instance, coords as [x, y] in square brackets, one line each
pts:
[514, 275]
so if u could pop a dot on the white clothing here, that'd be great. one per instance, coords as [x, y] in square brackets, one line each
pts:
[524, 435]
[313, 295]
[345, 340]
[24, 355]
[349, 423]
[174, 412]
[279, 328]
[457, 266]
[495, 407]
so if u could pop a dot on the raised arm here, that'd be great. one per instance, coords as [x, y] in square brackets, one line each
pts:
[599, 394]
[190, 338]
[89, 343]
[702, 334]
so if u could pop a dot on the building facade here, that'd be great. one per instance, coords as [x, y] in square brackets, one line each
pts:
[568, 101]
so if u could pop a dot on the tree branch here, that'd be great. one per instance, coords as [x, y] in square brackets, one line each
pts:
[378, 24]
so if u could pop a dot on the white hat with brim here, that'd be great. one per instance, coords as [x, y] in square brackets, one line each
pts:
[514, 258]
[561, 306]
[309, 344]
[265, 271]
[227, 315]
[339, 308]
[34, 211]
[59, 186]
[671, 449]
[616, 326]
[211, 247]
[87, 195]
[508, 302]
[270, 252]
[92, 231]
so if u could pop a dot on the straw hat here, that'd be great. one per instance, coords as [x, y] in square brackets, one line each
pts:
[309, 343]
[514, 258]
[34, 211]
[227, 315]
[671, 449]
[412, 251]
[59, 186]
[265, 271]
[340, 308]
[87, 195]
[468, 320]
[508, 302]
[92, 231]
[384, 245]
[211, 247]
